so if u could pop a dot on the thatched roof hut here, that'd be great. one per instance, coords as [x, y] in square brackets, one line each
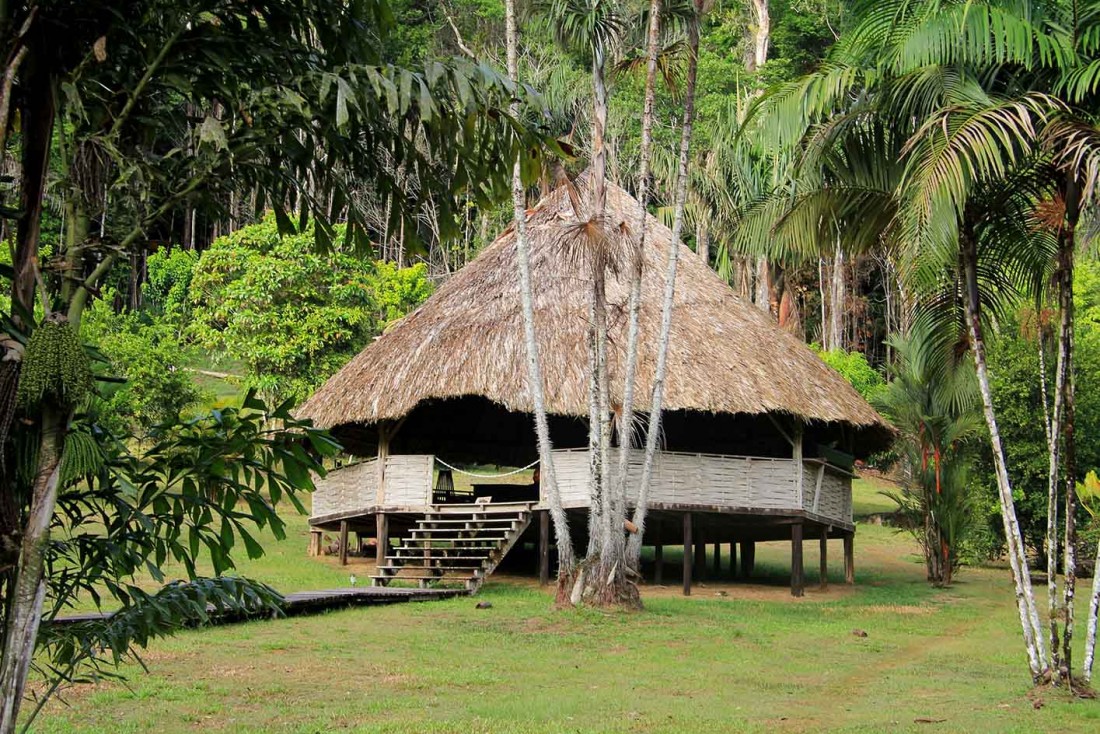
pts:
[456, 367]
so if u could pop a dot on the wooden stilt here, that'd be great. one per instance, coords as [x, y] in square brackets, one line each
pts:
[544, 547]
[748, 558]
[658, 564]
[717, 560]
[849, 559]
[700, 559]
[382, 534]
[733, 560]
[797, 577]
[343, 542]
[824, 570]
[687, 554]
[315, 542]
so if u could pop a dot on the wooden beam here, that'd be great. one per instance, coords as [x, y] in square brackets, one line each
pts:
[748, 558]
[849, 558]
[544, 547]
[343, 542]
[733, 560]
[658, 564]
[687, 554]
[382, 537]
[717, 560]
[824, 569]
[798, 581]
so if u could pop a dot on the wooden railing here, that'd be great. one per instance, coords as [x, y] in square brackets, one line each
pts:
[719, 480]
[679, 479]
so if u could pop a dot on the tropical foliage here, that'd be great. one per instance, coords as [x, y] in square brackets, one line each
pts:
[291, 316]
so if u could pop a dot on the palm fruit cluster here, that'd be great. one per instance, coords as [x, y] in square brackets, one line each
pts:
[55, 367]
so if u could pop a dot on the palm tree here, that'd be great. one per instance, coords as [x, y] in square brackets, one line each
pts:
[594, 28]
[549, 484]
[918, 70]
[934, 404]
[653, 428]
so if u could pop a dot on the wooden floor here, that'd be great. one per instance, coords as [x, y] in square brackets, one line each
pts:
[314, 602]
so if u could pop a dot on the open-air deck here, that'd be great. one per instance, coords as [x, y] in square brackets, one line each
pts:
[694, 499]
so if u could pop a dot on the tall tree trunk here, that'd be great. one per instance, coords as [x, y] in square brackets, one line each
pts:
[1069, 443]
[837, 298]
[763, 285]
[37, 118]
[25, 615]
[626, 419]
[1017, 555]
[702, 242]
[548, 477]
[761, 34]
[1052, 423]
[1094, 613]
[653, 429]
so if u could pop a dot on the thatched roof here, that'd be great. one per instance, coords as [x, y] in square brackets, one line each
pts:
[726, 356]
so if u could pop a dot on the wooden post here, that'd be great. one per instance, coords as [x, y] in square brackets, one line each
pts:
[544, 547]
[658, 564]
[797, 577]
[733, 560]
[748, 558]
[717, 560]
[343, 542]
[315, 542]
[700, 559]
[849, 559]
[382, 535]
[824, 570]
[687, 554]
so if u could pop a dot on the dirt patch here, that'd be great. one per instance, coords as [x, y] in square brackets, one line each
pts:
[747, 592]
[904, 609]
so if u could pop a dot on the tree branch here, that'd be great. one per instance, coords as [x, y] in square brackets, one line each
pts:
[144, 81]
[458, 36]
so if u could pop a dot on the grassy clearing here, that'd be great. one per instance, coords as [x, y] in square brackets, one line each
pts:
[732, 658]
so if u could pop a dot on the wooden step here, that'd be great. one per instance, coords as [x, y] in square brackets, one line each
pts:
[483, 521]
[443, 535]
[460, 533]
[436, 562]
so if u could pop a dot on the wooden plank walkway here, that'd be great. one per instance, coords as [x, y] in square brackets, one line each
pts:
[313, 602]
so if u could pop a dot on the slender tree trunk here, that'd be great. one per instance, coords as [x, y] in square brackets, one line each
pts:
[21, 624]
[763, 285]
[837, 297]
[37, 118]
[548, 477]
[1094, 612]
[1069, 442]
[1052, 424]
[761, 34]
[626, 420]
[1017, 556]
[702, 240]
[653, 428]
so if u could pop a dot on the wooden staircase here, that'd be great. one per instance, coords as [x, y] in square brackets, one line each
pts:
[456, 544]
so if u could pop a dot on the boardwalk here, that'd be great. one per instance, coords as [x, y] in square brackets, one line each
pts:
[313, 602]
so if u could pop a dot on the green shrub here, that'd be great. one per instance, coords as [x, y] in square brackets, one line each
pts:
[293, 317]
[854, 367]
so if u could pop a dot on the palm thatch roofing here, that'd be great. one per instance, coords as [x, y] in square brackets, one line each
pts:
[467, 339]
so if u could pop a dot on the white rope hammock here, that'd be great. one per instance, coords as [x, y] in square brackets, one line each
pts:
[486, 476]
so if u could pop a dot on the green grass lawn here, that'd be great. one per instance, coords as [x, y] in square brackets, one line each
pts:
[734, 657]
